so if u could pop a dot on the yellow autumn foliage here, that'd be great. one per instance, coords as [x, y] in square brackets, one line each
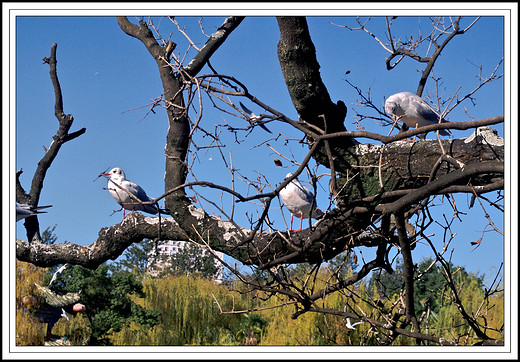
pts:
[29, 331]
[190, 314]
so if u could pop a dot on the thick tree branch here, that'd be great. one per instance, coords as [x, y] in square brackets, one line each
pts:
[445, 181]
[343, 225]
[408, 271]
[111, 243]
[374, 181]
[177, 139]
[62, 136]
[214, 42]
[300, 68]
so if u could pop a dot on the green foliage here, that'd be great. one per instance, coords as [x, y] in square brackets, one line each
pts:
[107, 298]
[77, 330]
[193, 260]
[134, 259]
[48, 236]
[251, 329]
[427, 290]
[188, 315]
[125, 306]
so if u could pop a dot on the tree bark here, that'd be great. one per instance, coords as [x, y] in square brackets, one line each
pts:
[301, 71]
[406, 172]
[375, 179]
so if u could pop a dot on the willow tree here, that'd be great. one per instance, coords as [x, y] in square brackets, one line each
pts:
[376, 186]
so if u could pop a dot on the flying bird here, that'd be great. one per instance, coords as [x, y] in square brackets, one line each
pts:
[121, 189]
[413, 111]
[24, 210]
[298, 200]
[58, 273]
[352, 325]
[253, 118]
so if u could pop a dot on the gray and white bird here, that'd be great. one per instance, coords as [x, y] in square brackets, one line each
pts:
[298, 200]
[413, 111]
[253, 118]
[24, 210]
[126, 187]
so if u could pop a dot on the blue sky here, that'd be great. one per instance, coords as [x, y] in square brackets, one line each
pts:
[108, 80]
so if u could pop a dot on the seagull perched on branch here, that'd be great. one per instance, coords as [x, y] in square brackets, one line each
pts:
[413, 111]
[24, 210]
[298, 200]
[121, 189]
[253, 118]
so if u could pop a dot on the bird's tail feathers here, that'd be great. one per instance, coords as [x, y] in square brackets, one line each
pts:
[41, 207]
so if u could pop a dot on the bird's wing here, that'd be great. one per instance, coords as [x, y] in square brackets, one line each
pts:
[251, 115]
[24, 210]
[247, 110]
[425, 111]
[139, 192]
[303, 192]
[41, 207]
[135, 190]
[58, 272]
[22, 213]
[57, 300]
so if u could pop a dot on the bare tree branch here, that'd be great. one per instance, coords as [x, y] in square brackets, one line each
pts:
[62, 136]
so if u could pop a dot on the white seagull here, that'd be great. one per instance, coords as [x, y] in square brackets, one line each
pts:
[352, 325]
[253, 118]
[64, 314]
[121, 188]
[298, 200]
[413, 111]
[24, 210]
[58, 273]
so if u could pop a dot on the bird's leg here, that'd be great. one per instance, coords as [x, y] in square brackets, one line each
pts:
[395, 119]
[292, 216]
[404, 127]
[415, 137]
[301, 223]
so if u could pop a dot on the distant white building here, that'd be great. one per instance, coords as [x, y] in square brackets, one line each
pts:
[167, 249]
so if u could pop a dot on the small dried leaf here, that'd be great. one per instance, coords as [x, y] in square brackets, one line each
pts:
[476, 242]
[277, 162]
